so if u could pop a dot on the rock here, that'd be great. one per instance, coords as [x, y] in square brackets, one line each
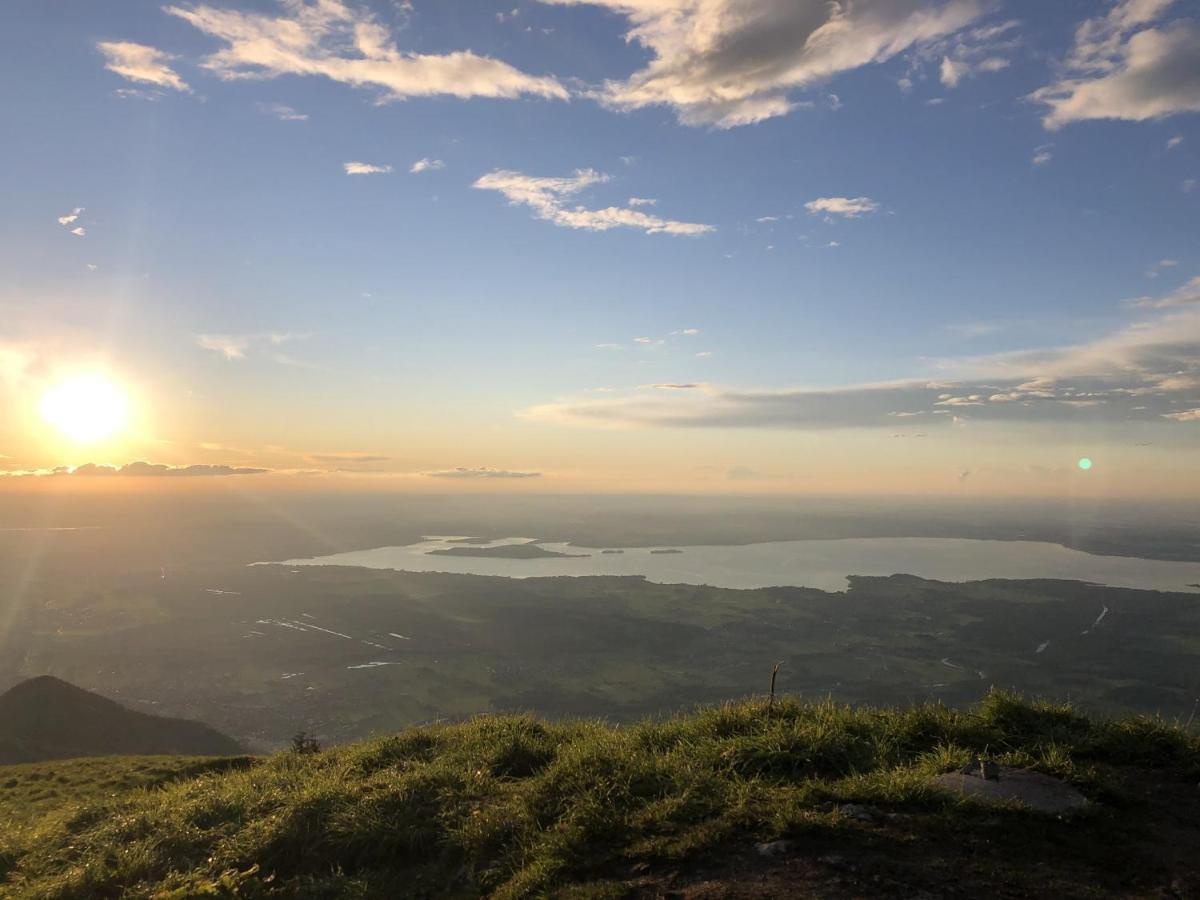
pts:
[859, 812]
[773, 848]
[1037, 791]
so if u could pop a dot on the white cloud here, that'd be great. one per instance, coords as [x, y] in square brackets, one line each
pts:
[847, 207]
[1153, 270]
[362, 168]
[282, 112]
[641, 201]
[1127, 65]
[548, 198]
[1185, 295]
[426, 165]
[1042, 154]
[79, 231]
[1174, 142]
[138, 62]
[70, 217]
[239, 346]
[735, 62]
[968, 54]
[480, 472]
[952, 72]
[329, 39]
[1146, 372]
[1184, 415]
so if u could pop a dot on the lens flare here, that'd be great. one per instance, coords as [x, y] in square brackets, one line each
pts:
[86, 408]
[1084, 463]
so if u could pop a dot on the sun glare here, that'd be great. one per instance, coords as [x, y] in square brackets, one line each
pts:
[86, 408]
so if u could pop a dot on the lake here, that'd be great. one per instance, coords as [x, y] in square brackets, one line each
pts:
[820, 564]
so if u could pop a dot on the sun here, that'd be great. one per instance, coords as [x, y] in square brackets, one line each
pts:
[86, 408]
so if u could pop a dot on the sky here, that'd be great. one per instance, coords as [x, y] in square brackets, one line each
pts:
[777, 246]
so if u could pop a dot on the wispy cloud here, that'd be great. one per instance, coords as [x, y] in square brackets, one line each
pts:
[482, 472]
[846, 207]
[727, 63]
[239, 346]
[1174, 142]
[548, 198]
[282, 112]
[426, 165]
[362, 168]
[1127, 64]
[79, 231]
[330, 39]
[1186, 294]
[641, 201]
[971, 53]
[139, 469]
[1148, 372]
[1153, 270]
[71, 217]
[1042, 154]
[140, 63]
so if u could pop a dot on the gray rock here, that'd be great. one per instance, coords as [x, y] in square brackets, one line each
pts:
[773, 848]
[1037, 791]
[859, 812]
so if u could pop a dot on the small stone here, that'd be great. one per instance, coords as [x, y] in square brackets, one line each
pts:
[859, 812]
[773, 848]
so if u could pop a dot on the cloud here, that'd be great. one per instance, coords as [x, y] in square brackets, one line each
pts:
[548, 198]
[140, 469]
[727, 63]
[70, 217]
[426, 165]
[847, 207]
[1185, 295]
[362, 168]
[347, 458]
[1186, 415]
[238, 346]
[1174, 142]
[1153, 270]
[330, 39]
[1042, 154]
[481, 472]
[1146, 372]
[282, 112]
[641, 201]
[79, 231]
[971, 53]
[138, 62]
[1125, 66]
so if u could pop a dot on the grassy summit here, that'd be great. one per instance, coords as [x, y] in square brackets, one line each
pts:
[514, 807]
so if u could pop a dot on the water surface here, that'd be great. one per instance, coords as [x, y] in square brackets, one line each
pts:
[820, 564]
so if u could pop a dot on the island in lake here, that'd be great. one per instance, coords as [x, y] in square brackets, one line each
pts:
[507, 551]
[666, 551]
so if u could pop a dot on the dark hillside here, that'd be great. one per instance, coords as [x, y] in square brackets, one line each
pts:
[47, 718]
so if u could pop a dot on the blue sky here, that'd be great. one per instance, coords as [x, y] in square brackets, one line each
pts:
[890, 193]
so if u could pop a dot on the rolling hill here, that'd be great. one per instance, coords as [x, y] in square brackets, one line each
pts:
[47, 718]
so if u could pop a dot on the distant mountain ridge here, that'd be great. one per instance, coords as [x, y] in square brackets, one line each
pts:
[48, 718]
